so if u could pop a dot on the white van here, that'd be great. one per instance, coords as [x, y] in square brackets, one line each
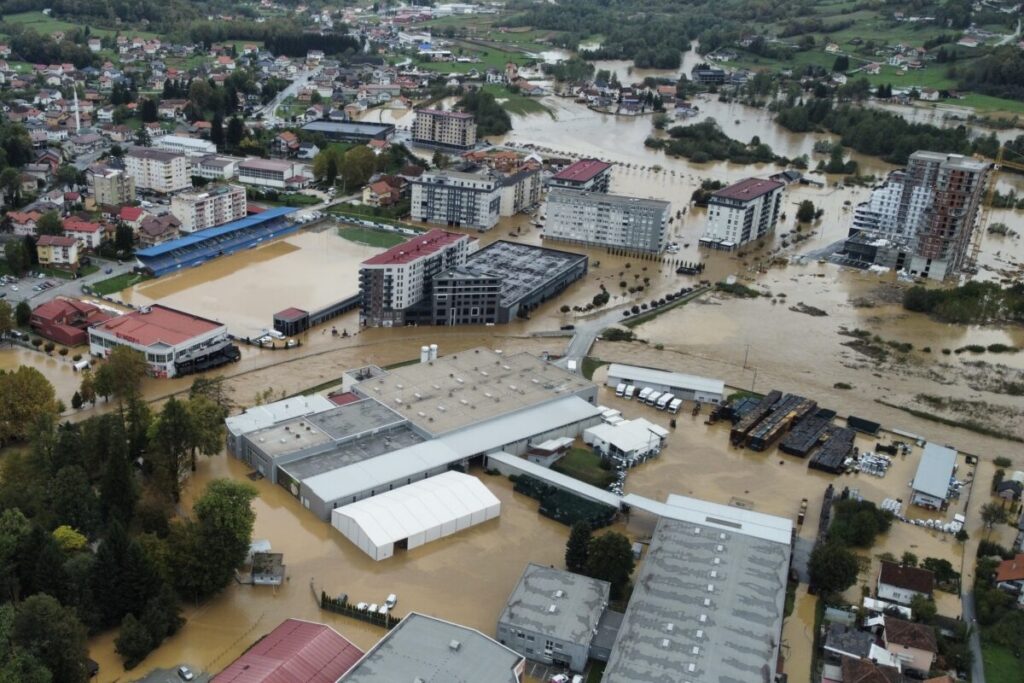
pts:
[644, 393]
[653, 397]
[665, 400]
[621, 389]
[81, 365]
[391, 601]
[675, 405]
[630, 390]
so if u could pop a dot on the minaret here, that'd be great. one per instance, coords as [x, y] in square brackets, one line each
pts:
[78, 119]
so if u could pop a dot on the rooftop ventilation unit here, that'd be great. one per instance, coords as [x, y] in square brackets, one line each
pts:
[552, 609]
[454, 645]
[670, 627]
[714, 574]
[559, 593]
[703, 619]
[720, 548]
[711, 588]
[691, 668]
[707, 602]
[665, 642]
[695, 650]
[700, 634]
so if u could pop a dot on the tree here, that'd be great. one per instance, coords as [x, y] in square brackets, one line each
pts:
[610, 558]
[142, 137]
[235, 132]
[126, 367]
[440, 160]
[842, 64]
[118, 490]
[805, 212]
[10, 184]
[6, 319]
[147, 110]
[73, 501]
[909, 559]
[123, 578]
[103, 382]
[68, 539]
[170, 438]
[50, 224]
[217, 130]
[578, 547]
[942, 568]
[923, 609]
[206, 420]
[992, 514]
[832, 567]
[124, 238]
[209, 549]
[54, 635]
[357, 166]
[215, 389]
[133, 642]
[76, 401]
[26, 397]
[22, 313]
[17, 259]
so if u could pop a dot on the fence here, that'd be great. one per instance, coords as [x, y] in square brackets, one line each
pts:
[342, 606]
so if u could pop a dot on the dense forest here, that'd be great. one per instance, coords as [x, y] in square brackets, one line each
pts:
[705, 141]
[975, 302]
[999, 73]
[871, 131]
[91, 537]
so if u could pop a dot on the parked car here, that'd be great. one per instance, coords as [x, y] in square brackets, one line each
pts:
[185, 673]
[391, 601]
[108, 271]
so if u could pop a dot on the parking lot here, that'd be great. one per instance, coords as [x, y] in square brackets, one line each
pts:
[16, 289]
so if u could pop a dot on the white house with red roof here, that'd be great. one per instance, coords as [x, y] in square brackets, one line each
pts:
[88, 233]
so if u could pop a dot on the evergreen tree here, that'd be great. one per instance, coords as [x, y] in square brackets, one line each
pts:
[577, 548]
[134, 642]
[217, 131]
[123, 578]
[118, 490]
[235, 132]
[610, 558]
[73, 501]
[54, 636]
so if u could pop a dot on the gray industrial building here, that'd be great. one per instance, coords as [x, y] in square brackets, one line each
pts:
[502, 281]
[708, 600]
[425, 649]
[415, 422]
[553, 615]
[350, 131]
[686, 387]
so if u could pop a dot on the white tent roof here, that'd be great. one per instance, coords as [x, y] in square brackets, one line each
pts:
[270, 414]
[934, 470]
[418, 507]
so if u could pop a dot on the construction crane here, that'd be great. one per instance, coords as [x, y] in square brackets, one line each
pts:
[986, 209]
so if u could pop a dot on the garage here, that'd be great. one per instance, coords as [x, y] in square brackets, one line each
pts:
[416, 514]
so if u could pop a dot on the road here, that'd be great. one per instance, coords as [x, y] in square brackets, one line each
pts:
[587, 331]
[270, 117]
[69, 288]
[1013, 36]
[977, 666]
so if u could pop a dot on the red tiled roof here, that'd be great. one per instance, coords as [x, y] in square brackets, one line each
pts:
[909, 634]
[417, 247]
[582, 171]
[56, 241]
[21, 217]
[130, 213]
[78, 225]
[294, 652]
[160, 324]
[909, 578]
[1011, 570]
[748, 189]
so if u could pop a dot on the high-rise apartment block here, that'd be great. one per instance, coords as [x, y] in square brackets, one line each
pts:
[213, 206]
[157, 170]
[607, 220]
[457, 198]
[741, 213]
[110, 186]
[451, 129]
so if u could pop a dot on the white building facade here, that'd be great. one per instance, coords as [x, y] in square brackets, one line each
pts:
[214, 206]
[185, 145]
[458, 199]
[742, 213]
[158, 170]
[607, 220]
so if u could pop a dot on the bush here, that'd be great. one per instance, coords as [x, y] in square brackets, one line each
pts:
[857, 523]
[77, 357]
[63, 351]
[1002, 461]
[991, 548]
[49, 347]
[37, 342]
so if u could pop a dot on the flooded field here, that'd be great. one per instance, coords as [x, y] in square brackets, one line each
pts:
[308, 270]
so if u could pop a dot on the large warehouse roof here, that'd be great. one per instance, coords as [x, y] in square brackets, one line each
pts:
[717, 516]
[430, 650]
[270, 414]
[294, 652]
[643, 375]
[934, 470]
[156, 324]
[707, 607]
[422, 511]
[396, 465]
[468, 387]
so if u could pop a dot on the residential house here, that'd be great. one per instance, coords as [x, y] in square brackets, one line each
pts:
[307, 151]
[132, 216]
[866, 671]
[1010, 577]
[930, 95]
[915, 645]
[58, 251]
[380, 193]
[900, 583]
[171, 109]
[1010, 490]
[88, 233]
[23, 223]
[156, 230]
[285, 145]
[95, 45]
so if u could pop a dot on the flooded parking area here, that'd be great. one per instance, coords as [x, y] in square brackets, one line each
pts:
[307, 270]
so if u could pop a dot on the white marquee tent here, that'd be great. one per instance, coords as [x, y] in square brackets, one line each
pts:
[416, 514]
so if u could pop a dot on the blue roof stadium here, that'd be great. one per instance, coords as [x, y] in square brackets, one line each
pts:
[203, 235]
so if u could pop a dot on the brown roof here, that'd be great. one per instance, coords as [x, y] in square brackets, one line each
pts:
[1011, 570]
[909, 578]
[909, 634]
[748, 189]
[56, 241]
[866, 671]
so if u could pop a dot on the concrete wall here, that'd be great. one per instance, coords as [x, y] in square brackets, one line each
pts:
[531, 644]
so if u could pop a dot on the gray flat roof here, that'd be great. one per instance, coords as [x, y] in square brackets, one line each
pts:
[640, 374]
[706, 608]
[469, 387]
[430, 650]
[562, 481]
[354, 451]
[577, 601]
[522, 268]
[352, 127]
[934, 470]
[569, 195]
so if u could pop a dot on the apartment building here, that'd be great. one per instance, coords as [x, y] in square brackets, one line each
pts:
[590, 175]
[450, 129]
[213, 206]
[928, 211]
[183, 144]
[215, 167]
[110, 186]
[278, 174]
[157, 170]
[396, 280]
[520, 191]
[457, 198]
[742, 213]
[607, 220]
[58, 251]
